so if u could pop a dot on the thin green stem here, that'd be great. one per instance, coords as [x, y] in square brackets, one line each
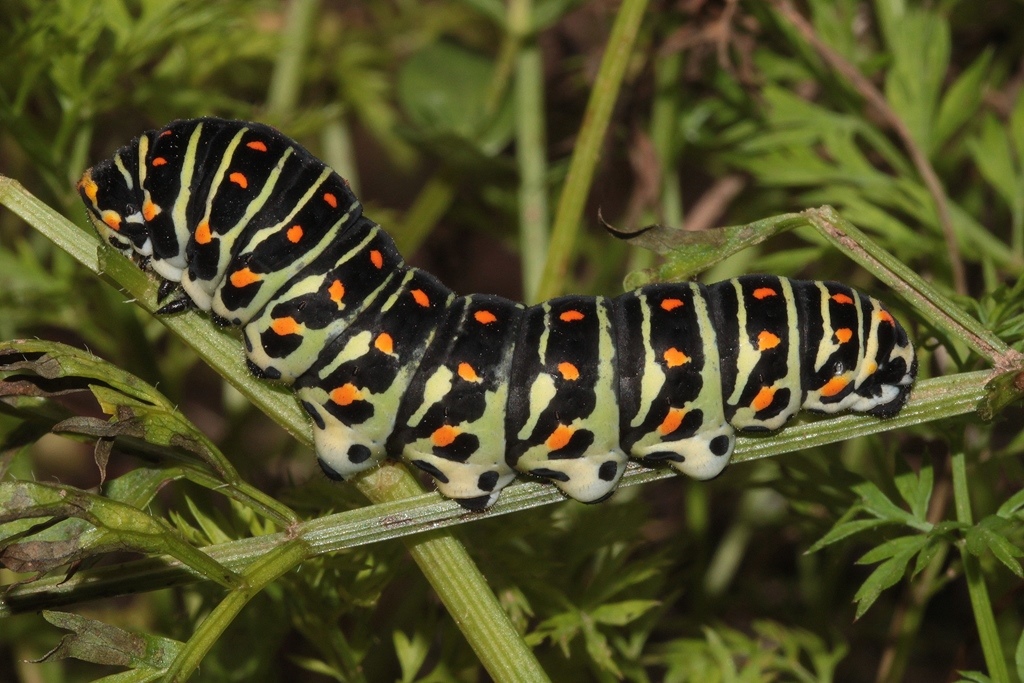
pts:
[984, 618]
[936, 307]
[531, 152]
[664, 123]
[286, 79]
[274, 564]
[588, 146]
[428, 208]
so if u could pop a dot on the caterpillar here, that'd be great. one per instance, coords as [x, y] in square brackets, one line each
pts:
[241, 221]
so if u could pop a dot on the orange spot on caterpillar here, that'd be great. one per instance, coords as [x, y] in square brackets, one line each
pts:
[484, 317]
[671, 304]
[159, 161]
[672, 420]
[444, 435]
[294, 233]
[559, 438]
[346, 394]
[764, 292]
[257, 145]
[377, 259]
[420, 297]
[331, 199]
[763, 399]
[841, 299]
[844, 334]
[674, 357]
[243, 278]
[89, 186]
[166, 132]
[571, 316]
[239, 179]
[467, 373]
[886, 317]
[283, 326]
[149, 210]
[203, 234]
[384, 343]
[112, 219]
[834, 386]
[568, 371]
[766, 340]
[336, 291]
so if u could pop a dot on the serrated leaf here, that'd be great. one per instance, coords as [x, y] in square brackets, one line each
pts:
[981, 538]
[916, 490]
[894, 547]
[844, 530]
[884, 576]
[877, 503]
[99, 643]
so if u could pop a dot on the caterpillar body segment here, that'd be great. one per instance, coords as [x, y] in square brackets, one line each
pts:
[474, 389]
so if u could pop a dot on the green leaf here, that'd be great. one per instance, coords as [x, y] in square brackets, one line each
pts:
[961, 100]
[621, 613]
[1018, 657]
[99, 643]
[689, 253]
[992, 152]
[116, 527]
[877, 503]
[982, 537]
[843, 530]
[916, 490]
[899, 551]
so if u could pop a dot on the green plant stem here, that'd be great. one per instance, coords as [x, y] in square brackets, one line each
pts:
[429, 206]
[440, 557]
[907, 630]
[934, 399]
[286, 79]
[664, 123]
[936, 307]
[984, 618]
[588, 146]
[274, 564]
[531, 150]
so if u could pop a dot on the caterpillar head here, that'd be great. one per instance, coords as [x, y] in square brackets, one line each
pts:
[114, 201]
[888, 368]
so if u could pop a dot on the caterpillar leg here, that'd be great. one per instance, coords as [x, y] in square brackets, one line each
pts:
[562, 419]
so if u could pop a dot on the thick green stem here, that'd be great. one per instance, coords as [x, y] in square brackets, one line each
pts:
[588, 146]
[984, 618]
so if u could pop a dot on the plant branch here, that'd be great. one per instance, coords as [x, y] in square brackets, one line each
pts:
[588, 146]
[878, 102]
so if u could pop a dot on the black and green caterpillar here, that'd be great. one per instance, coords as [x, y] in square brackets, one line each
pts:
[243, 222]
